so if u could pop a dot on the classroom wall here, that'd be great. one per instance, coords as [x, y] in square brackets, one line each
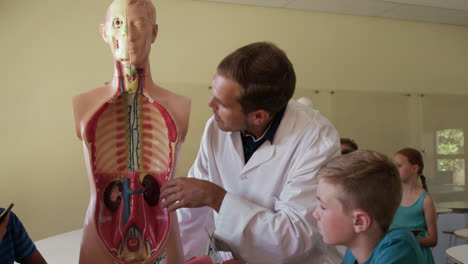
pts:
[51, 50]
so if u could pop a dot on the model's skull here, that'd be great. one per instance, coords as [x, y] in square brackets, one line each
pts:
[116, 30]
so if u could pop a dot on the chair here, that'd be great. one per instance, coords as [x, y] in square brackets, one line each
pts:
[446, 225]
[451, 233]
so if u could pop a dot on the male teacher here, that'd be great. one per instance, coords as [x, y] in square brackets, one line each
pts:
[253, 182]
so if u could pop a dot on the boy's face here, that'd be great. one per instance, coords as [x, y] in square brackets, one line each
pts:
[335, 225]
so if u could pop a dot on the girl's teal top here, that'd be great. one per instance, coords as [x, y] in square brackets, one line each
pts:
[412, 218]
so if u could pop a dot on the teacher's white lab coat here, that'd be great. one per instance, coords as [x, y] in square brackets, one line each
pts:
[266, 215]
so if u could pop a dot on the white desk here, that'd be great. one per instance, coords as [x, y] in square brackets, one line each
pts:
[462, 233]
[456, 206]
[441, 210]
[60, 249]
[459, 254]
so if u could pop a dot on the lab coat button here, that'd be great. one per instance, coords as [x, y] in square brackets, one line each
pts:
[243, 177]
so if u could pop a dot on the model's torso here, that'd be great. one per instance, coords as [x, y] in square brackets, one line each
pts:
[131, 144]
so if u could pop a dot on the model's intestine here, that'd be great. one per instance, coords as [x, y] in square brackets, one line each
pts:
[132, 141]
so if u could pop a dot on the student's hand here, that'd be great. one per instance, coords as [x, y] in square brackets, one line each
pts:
[191, 193]
[3, 226]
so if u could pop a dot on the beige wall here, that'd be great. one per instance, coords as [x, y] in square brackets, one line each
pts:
[51, 50]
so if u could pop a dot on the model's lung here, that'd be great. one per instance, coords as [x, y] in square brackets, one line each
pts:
[132, 143]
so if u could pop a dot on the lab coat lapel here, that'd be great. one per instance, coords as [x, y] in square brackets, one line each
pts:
[236, 150]
[268, 150]
[263, 154]
[287, 124]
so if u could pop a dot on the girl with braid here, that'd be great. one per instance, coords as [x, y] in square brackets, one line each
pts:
[417, 212]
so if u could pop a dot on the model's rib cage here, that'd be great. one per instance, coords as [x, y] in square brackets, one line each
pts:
[155, 140]
[113, 135]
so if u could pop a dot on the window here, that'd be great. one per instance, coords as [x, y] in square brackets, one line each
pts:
[450, 154]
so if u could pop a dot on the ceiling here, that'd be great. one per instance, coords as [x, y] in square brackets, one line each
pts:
[454, 12]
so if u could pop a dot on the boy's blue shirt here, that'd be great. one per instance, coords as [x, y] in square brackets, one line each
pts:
[16, 245]
[396, 247]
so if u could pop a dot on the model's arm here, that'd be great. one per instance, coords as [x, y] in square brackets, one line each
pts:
[78, 114]
[86, 103]
[430, 240]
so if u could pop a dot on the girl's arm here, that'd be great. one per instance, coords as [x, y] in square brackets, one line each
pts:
[429, 211]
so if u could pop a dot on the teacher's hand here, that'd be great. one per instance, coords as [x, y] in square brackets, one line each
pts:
[191, 193]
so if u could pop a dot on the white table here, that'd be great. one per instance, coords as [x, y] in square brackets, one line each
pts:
[462, 233]
[456, 206]
[441, 210]
[60, 249]
[459, 254]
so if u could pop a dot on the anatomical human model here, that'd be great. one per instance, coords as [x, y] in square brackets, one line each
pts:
[131, 131]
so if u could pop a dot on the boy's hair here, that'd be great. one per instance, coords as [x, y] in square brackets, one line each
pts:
[349, 142]
[265, 74]
[368, 181]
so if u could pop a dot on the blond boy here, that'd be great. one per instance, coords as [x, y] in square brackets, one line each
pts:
[358, 196]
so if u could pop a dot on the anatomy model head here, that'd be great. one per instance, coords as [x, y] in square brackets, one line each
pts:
[130, 29]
